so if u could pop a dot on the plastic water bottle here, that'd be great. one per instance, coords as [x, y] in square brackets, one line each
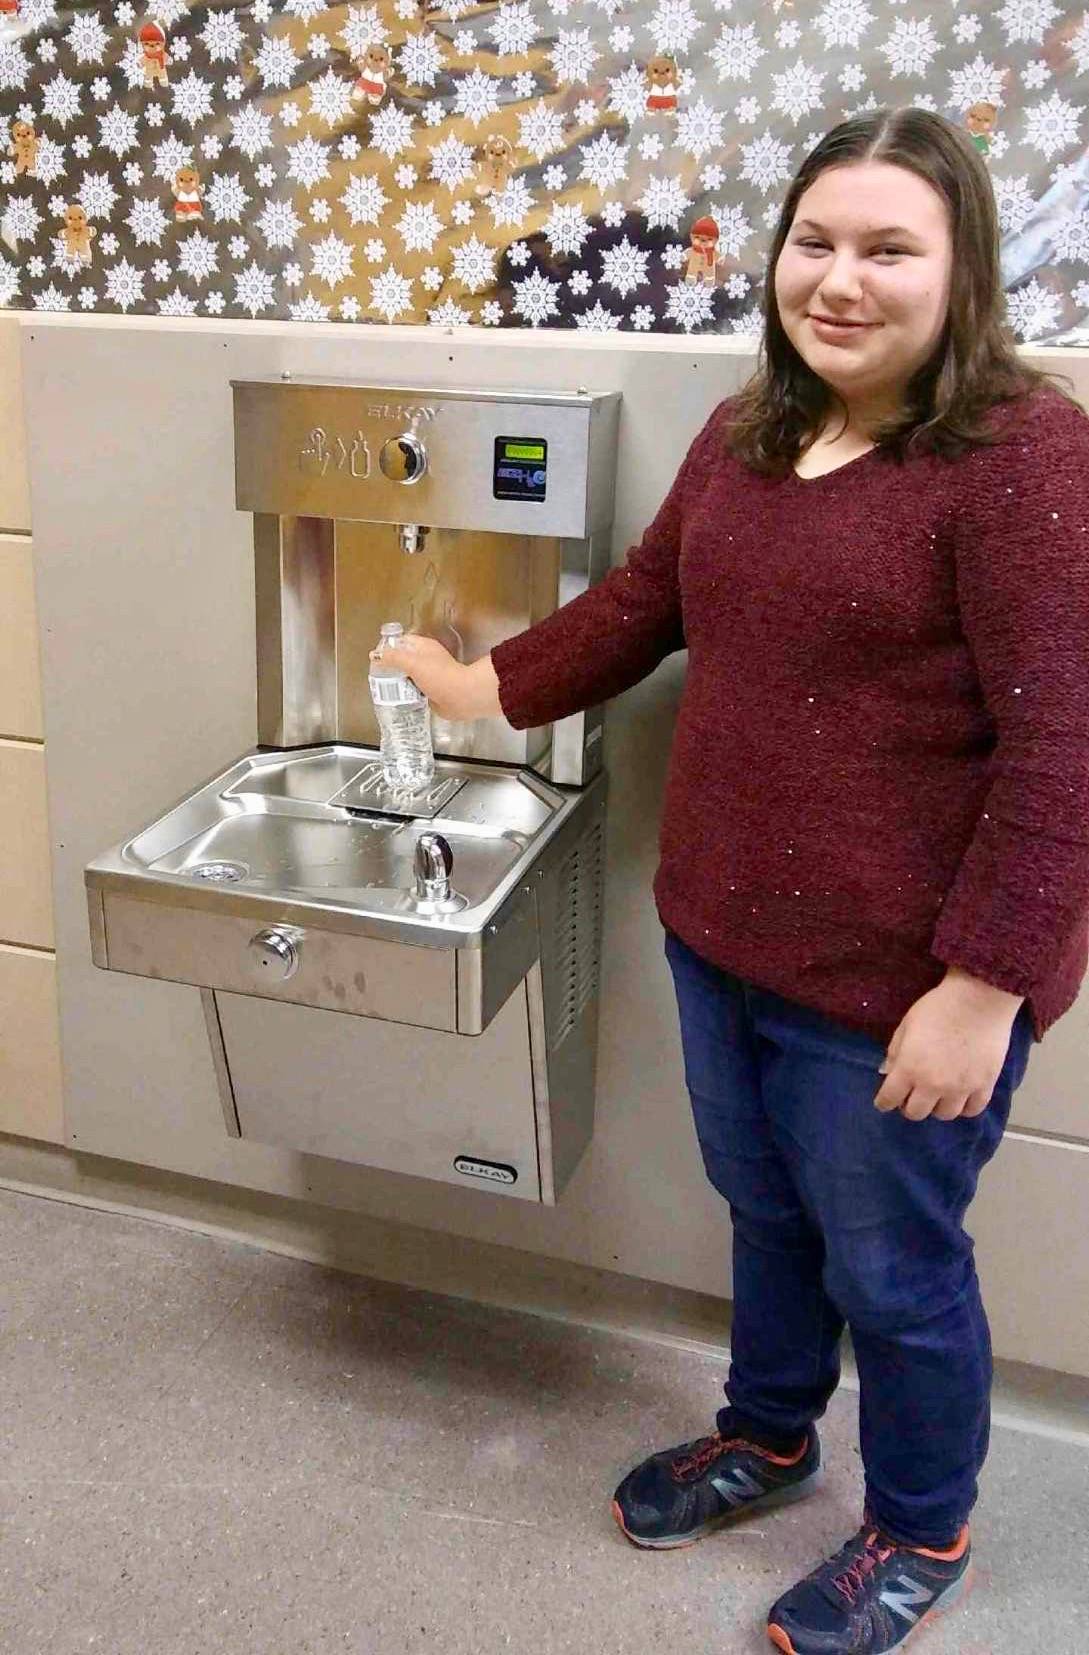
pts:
[404, 722]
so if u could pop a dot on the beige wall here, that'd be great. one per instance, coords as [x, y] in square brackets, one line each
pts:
[146, 600]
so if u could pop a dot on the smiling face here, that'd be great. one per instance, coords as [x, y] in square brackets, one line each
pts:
[186, 179]
[870, 244]
[75, 219]
[661, 71]
[376, 59]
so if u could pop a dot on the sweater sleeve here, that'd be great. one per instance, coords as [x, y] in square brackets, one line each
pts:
[1020, 900]
[616, 632]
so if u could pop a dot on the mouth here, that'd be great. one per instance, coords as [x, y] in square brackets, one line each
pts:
[836, 321]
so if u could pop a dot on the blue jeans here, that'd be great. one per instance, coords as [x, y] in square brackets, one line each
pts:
[844, 1215]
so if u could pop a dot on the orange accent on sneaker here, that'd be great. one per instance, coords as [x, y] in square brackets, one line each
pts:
[950, 1555]
[779, 1459]
[780, 1640]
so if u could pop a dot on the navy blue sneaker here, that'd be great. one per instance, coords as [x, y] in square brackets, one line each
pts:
[870, 1597]
[681, 1494]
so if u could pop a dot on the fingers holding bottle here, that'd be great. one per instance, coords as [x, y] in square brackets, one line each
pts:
[454, 691]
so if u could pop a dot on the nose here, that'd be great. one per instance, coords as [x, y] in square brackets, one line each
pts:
[841, 282]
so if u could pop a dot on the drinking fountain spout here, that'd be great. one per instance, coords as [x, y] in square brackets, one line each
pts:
[434, 863]
[411, 537]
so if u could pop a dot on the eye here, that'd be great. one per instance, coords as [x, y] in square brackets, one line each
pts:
[894, 251]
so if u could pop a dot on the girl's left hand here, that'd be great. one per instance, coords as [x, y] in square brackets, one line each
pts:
[948, 1052]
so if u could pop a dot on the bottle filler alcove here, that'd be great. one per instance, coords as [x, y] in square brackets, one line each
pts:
[404, 983]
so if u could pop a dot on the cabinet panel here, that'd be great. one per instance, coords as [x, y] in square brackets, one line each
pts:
[14, 485]
[30, 1081]
[20, 694]
[26, 909]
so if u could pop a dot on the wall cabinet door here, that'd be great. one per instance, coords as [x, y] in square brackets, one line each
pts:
[30, 1083]
[26, 907]
[20, 694]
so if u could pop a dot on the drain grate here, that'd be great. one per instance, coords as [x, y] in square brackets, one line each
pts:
[219, 873]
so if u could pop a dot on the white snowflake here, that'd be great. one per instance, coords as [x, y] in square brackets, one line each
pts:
[293, 275]
[642, 318]
[663, 202]
[651, 145]
[613, 214]
[1026, 19]
[1036, 74]
[736, 52]
[419, 226]
[87, 38]
[491, 313]
[540, 130]
[910, 46]
[843, 22]
[198, 257]
[278, 224]
[374, 251]
[51, 299]
[788, 34]
[331, 259]
[518, 254]
[535, 298]
[604, 162]
[628, 93]
[1014, 201]
[690, 304]
[580, 282]
[523, 85]
[364, 199]
[251, 131]
[275, 62]
[177, 303]
[449, 315]
[117, 131]
[566, 228]
[317, 46]
[192, 98]
[476, 96]
[853, 77]
[512, 205]
[363, 27]
[96, 195]
[673, 255]
[465, 43]
[452, 163]
[1079, 45]
[49, 165]
[474, 264]
[797, 90]
[330, 98]
[1033, 310]
[553, 179]
[169, 156]
[147, 221]
[431, 278]
[573, 56]
[673, 25]
[1072, 237]
[597, 320]
[124, 285]
[308, 309]
[350, 309]
[166, 12]
[420, 60]
[765, 162]
[321, 210]
[9, 282]
[624, 267]
[513, 28]
[305, 10]
[214, 303]
[60, 96]
[14, 65]
[222, 36]
[1051, 125]
[699, 128]
[81, 146]
[308, 162]
[391, 130]
[160, 271]
[225, 198]
[405, 177]
[253, 289]
[391, 294]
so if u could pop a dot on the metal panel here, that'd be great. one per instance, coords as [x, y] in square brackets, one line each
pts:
[410, 1100]
[314, 449]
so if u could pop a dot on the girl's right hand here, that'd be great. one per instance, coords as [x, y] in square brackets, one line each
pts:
[455, 692]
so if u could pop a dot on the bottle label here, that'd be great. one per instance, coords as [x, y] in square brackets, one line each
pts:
[394, 692]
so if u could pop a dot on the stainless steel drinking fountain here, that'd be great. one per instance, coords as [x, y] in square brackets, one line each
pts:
[405, 983]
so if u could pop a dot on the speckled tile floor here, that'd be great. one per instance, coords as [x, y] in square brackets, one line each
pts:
[206, 1449]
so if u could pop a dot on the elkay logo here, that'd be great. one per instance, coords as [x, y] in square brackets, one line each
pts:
[495, 1170]
[402, 411]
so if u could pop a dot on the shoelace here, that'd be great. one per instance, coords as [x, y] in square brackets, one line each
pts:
[852, 1580]
[704, 1452]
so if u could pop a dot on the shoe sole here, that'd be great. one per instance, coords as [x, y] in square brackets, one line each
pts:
[954, 1594]
[760, 1502]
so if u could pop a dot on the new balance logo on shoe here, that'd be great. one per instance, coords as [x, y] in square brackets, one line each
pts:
[902, 1603]
[736, 1486]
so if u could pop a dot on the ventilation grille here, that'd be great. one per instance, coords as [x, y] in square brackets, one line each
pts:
[576, 946]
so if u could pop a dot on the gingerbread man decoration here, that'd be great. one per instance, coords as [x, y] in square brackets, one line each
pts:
[980, 121]
[188, 190]
[24, 147]
[661, 78]
[702, 258]
[496, 165]
[152, 38]
[373, 69]
[77, 233]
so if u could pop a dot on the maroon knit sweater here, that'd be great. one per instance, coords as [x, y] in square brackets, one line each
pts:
[881, 760]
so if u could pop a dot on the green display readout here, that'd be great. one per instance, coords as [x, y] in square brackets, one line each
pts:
[523, 451]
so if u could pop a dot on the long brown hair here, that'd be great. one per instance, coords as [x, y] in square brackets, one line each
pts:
[974, 365]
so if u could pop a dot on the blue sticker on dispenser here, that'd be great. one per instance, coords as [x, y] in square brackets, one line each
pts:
[520, 471]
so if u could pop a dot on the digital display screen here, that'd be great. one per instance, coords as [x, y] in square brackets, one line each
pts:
[520, 470]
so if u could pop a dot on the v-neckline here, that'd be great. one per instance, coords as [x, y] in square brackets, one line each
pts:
[835, 470]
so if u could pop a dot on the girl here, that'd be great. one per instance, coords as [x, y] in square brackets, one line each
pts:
[874, 873]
